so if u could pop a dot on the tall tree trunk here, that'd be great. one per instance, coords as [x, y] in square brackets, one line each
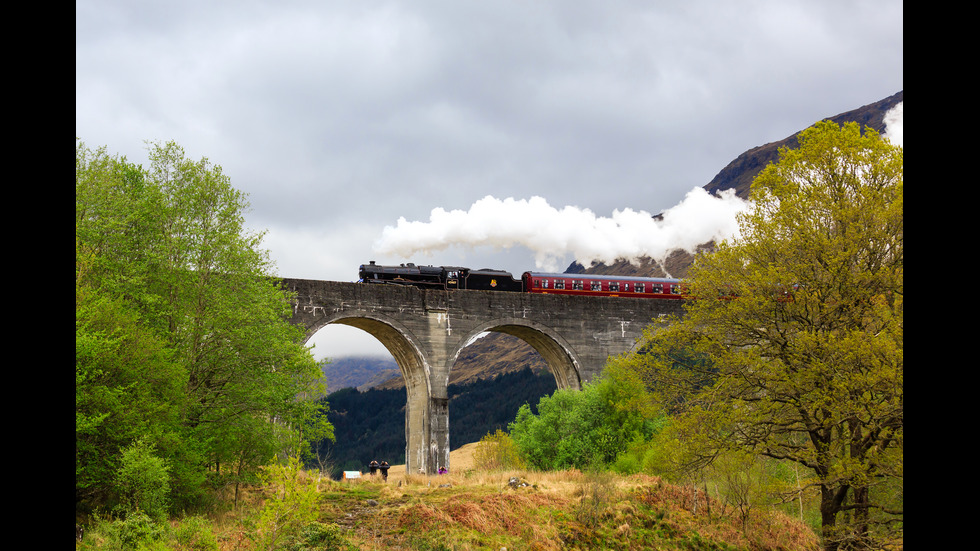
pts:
[862, 499]
[831, 500]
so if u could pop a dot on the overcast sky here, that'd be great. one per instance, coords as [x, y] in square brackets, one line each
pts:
[340, 118]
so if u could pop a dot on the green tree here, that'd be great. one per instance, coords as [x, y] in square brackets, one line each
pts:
[317, 429]
[144, 480]
[586, 428]
[801, 359]
[126, 387]
[167, 247]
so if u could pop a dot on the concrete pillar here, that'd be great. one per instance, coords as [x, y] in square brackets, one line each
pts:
[438, 434]
[439, 342]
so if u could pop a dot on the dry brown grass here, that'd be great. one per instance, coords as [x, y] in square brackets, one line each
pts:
[503, 514]
[471, 509]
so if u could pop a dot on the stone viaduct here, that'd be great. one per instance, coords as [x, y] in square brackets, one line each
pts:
[425, 330]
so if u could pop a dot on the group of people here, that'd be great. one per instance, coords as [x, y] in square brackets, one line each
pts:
[383, 466]
[374, 467]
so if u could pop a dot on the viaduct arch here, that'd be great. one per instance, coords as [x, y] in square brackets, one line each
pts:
[426, 329]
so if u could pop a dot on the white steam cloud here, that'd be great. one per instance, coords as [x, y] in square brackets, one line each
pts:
[894, 124]
[552, 232]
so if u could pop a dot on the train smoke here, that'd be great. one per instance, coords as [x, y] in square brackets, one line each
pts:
[552, 233]
[894, 124]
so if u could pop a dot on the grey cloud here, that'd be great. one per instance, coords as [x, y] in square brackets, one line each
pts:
[363, 112]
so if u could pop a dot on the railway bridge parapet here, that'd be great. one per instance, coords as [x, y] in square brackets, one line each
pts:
[426, 329]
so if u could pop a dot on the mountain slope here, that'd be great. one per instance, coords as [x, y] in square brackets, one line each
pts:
[494, 354]
[740, 172]
[361, 372]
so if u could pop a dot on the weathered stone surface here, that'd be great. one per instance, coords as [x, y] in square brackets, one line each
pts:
[425, 330]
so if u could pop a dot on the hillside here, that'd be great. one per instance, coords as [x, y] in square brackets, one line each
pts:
[361, 372]
[488, 356]
[740, 172]
[469, 509]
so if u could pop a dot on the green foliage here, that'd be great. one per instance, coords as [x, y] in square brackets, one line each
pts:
[650, 456]
[586, 428]
[126, 387]
[804, 361]
[195, 533]
[321, 537]
[182, 337]
[496, 452]
[137, 531]
[317, 429]
[290, 503]
[144, 480]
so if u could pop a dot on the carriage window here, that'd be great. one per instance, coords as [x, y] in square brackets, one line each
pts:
[544, 283]
[577, 284]
[596, 286]
[657, 288]
[559, 284]
[675, 289]
[626, 287]
[639, 287]
[537, 282]
[613, 285]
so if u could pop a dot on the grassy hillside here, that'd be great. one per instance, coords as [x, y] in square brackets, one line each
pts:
[470, 510]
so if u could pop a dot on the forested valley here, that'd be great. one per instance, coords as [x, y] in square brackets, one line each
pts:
[371, 425]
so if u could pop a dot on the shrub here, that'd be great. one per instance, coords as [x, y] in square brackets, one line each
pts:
[136, 531]
[322, 537]
[291, 506]
[497, 452]
[598, 493]
[196, 533]
[144, 480]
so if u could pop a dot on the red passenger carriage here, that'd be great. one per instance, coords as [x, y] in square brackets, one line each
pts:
[603, 285]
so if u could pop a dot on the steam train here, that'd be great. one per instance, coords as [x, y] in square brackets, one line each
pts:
[455, 277]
